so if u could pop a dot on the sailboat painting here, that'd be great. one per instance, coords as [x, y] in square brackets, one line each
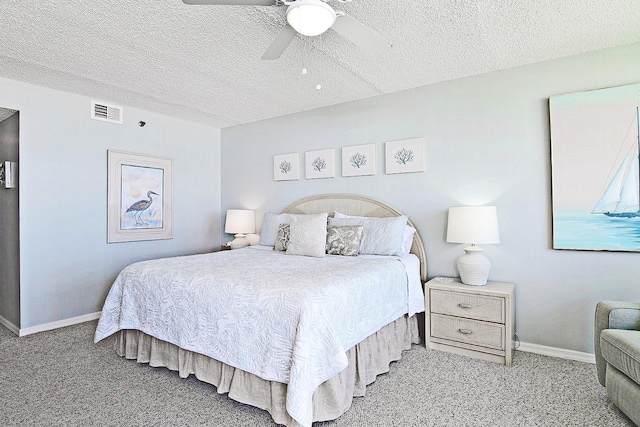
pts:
[595, 158]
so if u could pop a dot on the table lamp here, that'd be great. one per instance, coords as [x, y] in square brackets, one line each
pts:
[240, 222]
[473, 225]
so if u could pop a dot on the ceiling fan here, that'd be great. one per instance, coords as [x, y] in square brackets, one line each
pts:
[311, 18]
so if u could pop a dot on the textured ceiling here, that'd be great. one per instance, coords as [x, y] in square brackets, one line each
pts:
[202, 63]
[5, 113]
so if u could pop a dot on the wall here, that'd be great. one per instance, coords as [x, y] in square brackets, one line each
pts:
[66, 266]
[9, 229]
[487, 142]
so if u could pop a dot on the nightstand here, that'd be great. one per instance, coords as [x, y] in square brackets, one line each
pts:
[475, 321]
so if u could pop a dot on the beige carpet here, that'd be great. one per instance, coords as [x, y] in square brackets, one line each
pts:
[60, 378]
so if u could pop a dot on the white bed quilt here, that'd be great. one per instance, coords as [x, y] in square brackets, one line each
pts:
[281, 317]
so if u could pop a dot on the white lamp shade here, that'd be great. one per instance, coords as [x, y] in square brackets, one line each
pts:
[310, 17]
[240, 221]
[473, 224]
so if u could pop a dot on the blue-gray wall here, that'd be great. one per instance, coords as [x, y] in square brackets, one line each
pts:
[66, 266]
[487, 142]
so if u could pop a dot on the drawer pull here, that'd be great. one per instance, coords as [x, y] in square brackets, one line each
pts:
[465, 306]
[465, 331]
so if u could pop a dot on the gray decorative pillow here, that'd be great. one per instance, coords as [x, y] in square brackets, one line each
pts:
[282, 240]
[344, 240]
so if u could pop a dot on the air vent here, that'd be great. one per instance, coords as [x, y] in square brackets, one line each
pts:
[106, 112]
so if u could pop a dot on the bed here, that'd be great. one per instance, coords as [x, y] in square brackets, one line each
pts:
[339, 320]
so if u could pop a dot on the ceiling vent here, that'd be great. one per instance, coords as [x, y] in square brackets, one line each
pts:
[106, 112]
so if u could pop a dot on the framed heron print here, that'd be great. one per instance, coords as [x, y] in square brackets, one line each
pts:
[140, 197]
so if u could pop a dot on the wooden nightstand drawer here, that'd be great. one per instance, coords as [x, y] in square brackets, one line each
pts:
[475, 321]
[467, 305]
[484, 334]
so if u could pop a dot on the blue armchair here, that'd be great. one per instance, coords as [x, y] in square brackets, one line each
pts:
[617, 347]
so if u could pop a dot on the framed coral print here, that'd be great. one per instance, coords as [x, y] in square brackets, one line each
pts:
[285, 167]
[319, 164]
[140, 197]
[404, 156]
[359, 160]
[595, 168]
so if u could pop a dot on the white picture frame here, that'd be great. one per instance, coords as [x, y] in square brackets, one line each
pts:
[140, 197]
[286, 167]
[319, 164]
[404, 156]
[359, 160]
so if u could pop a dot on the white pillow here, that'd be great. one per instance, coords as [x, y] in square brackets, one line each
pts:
[380, 236]
[269, 229]
[308, 235]
[407, 234]
[407, 239]
[270, 226]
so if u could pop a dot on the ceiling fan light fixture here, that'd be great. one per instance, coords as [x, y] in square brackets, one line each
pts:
[310, 17]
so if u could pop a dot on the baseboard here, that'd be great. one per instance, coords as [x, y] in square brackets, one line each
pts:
[59, 324]
[562, 353]
[13, 328]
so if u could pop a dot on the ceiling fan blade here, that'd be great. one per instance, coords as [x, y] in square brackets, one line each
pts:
[361, 36]
[233, 2]
[280, 43]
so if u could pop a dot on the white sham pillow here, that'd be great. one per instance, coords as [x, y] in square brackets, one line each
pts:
[308, 235]
[270, 225]
[269, 229]
[380, 236]
[407, 239]
[407, 234]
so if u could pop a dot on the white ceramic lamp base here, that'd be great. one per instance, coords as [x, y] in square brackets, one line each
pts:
[474, 267]
[253, 239]
[240, 241]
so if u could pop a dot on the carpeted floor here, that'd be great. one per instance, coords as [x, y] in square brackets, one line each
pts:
[60, 378]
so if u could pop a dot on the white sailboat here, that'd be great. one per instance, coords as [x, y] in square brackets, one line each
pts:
[621, 197]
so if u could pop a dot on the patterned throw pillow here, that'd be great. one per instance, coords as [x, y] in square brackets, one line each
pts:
[282, 240]
[344, 240]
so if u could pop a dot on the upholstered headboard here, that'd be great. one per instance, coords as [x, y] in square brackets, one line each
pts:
[352, 204]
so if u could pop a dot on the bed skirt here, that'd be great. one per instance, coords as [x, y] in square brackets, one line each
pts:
[331, 399]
